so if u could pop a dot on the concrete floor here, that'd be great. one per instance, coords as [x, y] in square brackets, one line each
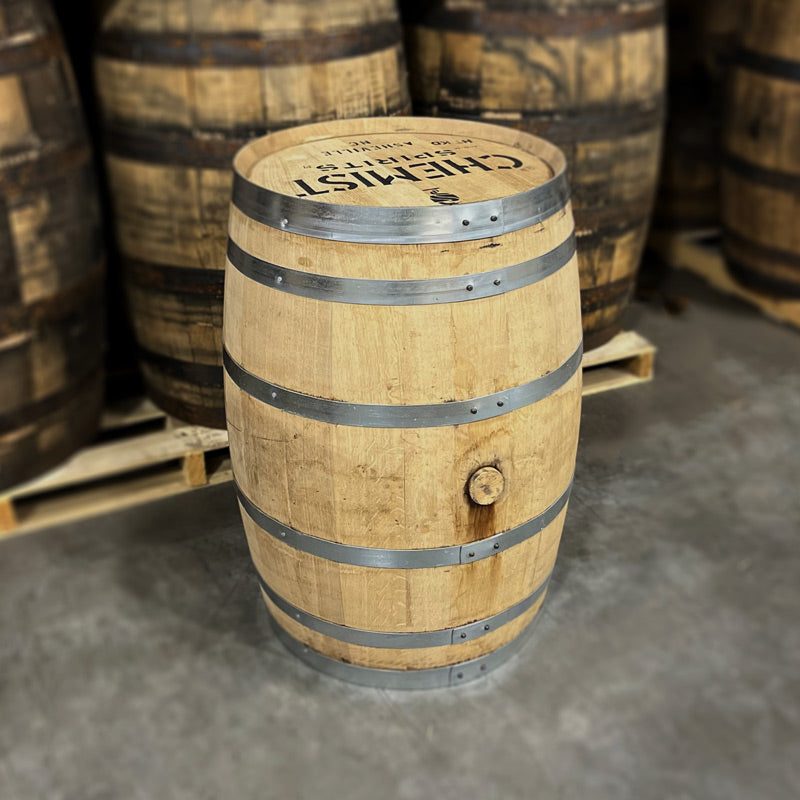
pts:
[136, 659]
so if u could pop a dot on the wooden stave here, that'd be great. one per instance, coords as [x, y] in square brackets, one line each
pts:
[51, 326]
[268, 552]
[197, 154]
[703, 39]
[760, 176]
[598, 327]
[412, 659]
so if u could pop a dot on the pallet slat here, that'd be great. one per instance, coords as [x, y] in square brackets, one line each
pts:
[106, 460]
[42, 512]
[703, 257]
[120, 474]
[627, 360]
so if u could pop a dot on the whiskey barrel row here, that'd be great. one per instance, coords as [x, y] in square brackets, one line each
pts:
[183, 86]
[51, 261]
[590, 77]
[761, 169]
[404, 448]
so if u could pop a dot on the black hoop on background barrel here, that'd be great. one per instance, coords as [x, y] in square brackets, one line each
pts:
[774, 66]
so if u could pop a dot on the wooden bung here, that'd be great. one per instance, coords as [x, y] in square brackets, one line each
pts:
[51, 263]
[404, 446]
[486, 485]
[588, 76]
[183, 84]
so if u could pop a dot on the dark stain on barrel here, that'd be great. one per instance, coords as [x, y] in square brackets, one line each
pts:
[482, 521]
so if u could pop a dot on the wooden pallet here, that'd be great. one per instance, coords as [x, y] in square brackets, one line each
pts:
[135, 464]
[700, 254]
[628, 359]
[142, 455]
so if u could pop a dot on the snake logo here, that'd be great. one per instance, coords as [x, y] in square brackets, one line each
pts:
[443, 198]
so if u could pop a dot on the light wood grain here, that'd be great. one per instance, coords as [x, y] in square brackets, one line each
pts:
[404, 600]
[194, 468]
[391, 487]
[418, 658]
[90, 500]
[623, 345]
[114, 458]
[8, 517]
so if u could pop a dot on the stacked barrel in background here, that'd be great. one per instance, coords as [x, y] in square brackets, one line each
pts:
[51, 266]
[761, 174]
[586, 75]
[702, 39]
[183, 85]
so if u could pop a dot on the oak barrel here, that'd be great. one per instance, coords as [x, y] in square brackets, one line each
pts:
[51, 268]
[702, 39]
[402, 352]
[761, 173]
[587, 75]
[183, 85]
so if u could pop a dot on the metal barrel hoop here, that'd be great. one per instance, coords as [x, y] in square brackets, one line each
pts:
[368, 415]
[384, 558]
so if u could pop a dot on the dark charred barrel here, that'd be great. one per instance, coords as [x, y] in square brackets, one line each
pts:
[589, 76]
[761, 167]
[183, 85]
[51, 262]
[702, 40]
